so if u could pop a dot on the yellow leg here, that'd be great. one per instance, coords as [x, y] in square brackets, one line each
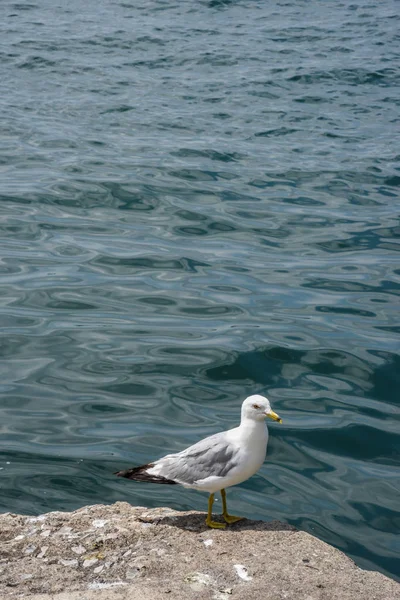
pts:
[228, 518]
[209, 520]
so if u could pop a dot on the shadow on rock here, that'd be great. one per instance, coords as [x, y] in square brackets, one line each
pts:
[196, 522]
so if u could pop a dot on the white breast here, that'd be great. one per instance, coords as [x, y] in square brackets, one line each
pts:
[251, 447]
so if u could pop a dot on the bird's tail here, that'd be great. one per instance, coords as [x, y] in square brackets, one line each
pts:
[141, 474]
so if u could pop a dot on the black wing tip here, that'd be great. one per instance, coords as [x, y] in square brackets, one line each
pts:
[140, 474]
[134, 472]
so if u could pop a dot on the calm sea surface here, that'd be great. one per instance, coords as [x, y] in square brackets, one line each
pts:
[200, 201]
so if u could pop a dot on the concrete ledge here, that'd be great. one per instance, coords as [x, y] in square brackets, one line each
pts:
[121, 552]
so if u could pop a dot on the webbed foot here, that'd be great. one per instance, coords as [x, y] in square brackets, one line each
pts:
[231, 518]
[214, 524]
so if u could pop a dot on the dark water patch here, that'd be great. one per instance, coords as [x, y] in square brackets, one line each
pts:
[130, 389]
[266, 366]
[276, 132]
[37, 62]
[207, 311]
[350, 441]
[196, 231]
[386, 520]
[208, 226]
[22, 6]
[129, 198]
[220, 3]
[345, 311]
[358, 76]
[211, 154]
[200, 175]
[157, 301]
[70, 305]
[119, 109]
[311, 100]
[120, 265]
[385, 286]
[367, 239]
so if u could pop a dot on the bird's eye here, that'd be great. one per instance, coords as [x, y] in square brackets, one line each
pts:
[256, 406]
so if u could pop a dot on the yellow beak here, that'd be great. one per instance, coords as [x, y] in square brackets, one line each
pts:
[272, 415]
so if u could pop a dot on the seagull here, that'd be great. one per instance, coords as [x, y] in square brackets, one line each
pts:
[218, 461]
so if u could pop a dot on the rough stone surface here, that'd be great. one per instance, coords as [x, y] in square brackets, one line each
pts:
[121, 552]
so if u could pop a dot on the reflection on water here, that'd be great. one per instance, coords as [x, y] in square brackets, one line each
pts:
[200, 202]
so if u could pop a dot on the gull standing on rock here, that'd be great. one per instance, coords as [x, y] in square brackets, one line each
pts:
[217, 462]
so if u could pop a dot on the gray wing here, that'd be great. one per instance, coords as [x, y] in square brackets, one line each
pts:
[212, 456]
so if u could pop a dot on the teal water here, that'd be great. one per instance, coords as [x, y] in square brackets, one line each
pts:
[200, 201]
